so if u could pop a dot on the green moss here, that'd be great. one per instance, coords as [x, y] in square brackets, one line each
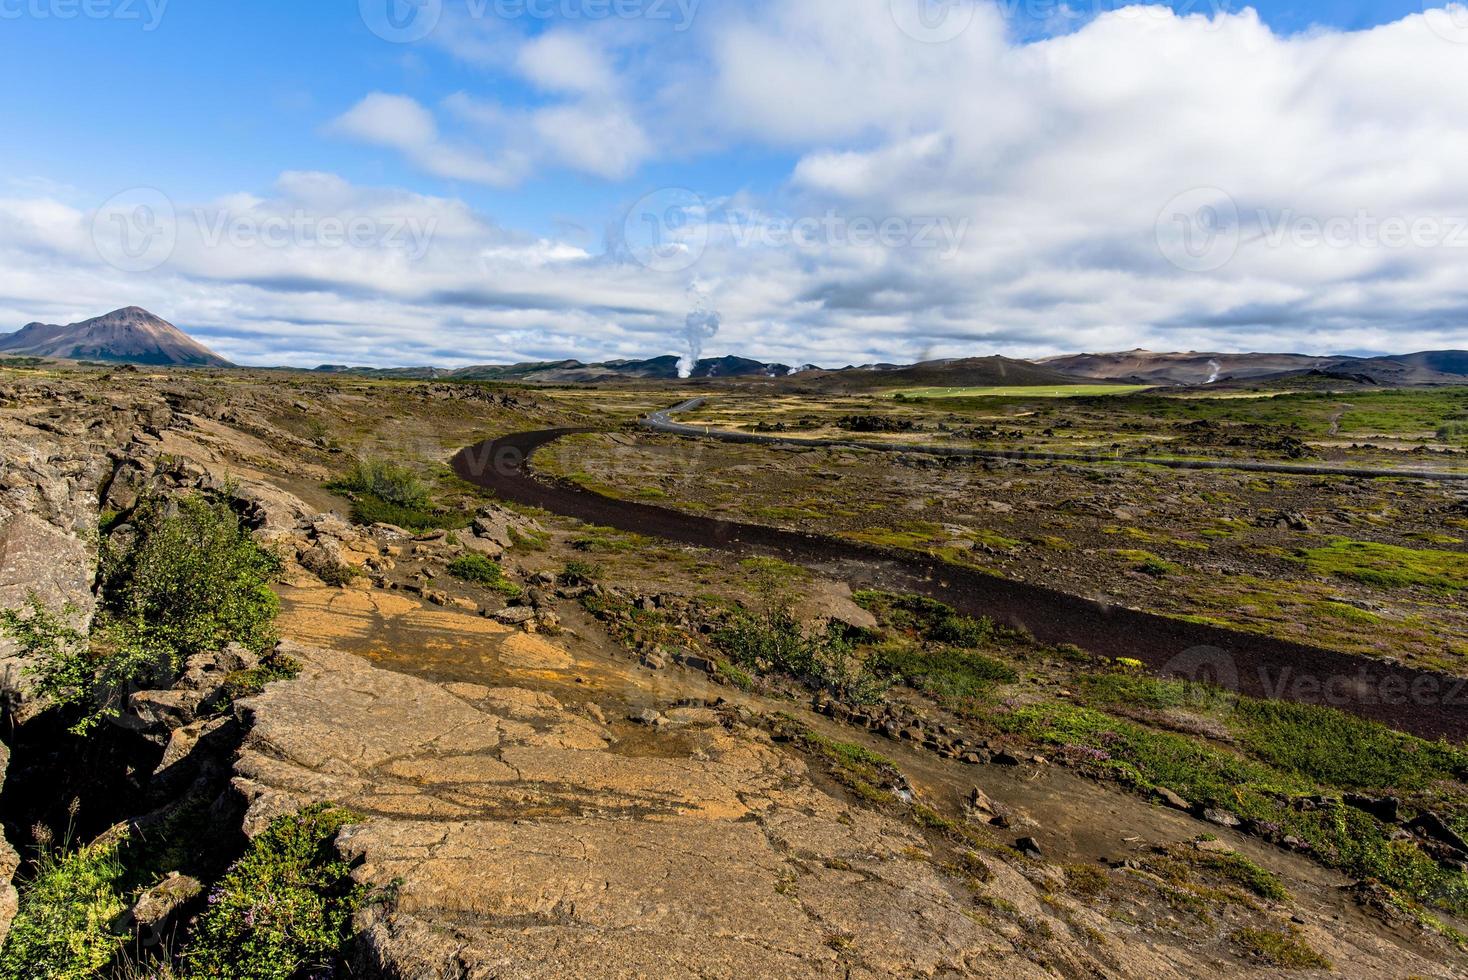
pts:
[1389, 566]
[1284, 949]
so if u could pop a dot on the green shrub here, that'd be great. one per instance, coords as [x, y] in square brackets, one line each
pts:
[190, 580]
[388, 482]
[578, 572]
[283, 909]
[480, 570]
[62, 930]
[57, 654]
[962, 631]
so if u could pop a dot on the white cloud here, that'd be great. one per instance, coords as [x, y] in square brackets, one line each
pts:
[1054, 158]
[400, 123]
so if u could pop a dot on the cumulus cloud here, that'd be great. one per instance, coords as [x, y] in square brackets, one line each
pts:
[1144, 179]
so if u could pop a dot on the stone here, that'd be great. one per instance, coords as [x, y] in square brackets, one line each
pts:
[1171, 799]
[1433, 827]
[647, 716]
[1029, 847]
[979, 800]
[1384, 808]
[1221, 818]
[154, 913]
[515, 615]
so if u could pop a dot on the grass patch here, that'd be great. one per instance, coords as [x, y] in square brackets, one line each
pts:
[1285, 949]
[389, 493]
[62, 930]
[950, 676]
[478, 569]
[1021, 391]
[1388, 566]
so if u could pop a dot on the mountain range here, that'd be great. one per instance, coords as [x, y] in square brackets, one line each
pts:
[133, 335]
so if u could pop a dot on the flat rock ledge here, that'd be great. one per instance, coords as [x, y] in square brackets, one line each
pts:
[526, 845]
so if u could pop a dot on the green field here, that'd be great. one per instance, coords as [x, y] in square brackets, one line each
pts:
[1025, 391]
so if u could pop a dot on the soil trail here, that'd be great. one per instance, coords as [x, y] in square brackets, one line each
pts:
[663, 422]
[1423, 703]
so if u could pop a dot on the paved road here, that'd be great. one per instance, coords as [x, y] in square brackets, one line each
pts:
[663, 422]
[1427, 704]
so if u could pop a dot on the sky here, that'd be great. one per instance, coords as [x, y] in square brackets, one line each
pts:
[451, 182]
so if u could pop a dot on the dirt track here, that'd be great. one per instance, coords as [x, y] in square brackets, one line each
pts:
[1427, 704]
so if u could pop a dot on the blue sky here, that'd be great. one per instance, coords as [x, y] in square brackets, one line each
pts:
[523, 141]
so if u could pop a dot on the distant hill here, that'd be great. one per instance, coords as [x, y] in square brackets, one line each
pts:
[131, 335]
[1195, 368]
[576, 372]
[966, 372]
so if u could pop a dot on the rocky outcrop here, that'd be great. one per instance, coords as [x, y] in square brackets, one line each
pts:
[528, 839]
[9, 861]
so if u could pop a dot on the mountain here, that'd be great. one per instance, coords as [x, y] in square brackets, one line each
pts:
[1194, 367]
[131, 335]
[663, 368]
[965, 372]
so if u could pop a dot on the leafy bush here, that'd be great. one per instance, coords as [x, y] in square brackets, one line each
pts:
[480, 570]
[771, 640]
[579, 572]
[388, 482]
[62, 931]
[189, 580]
[284, 908]
[388, 493]
[58, 656]
[962, 631]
